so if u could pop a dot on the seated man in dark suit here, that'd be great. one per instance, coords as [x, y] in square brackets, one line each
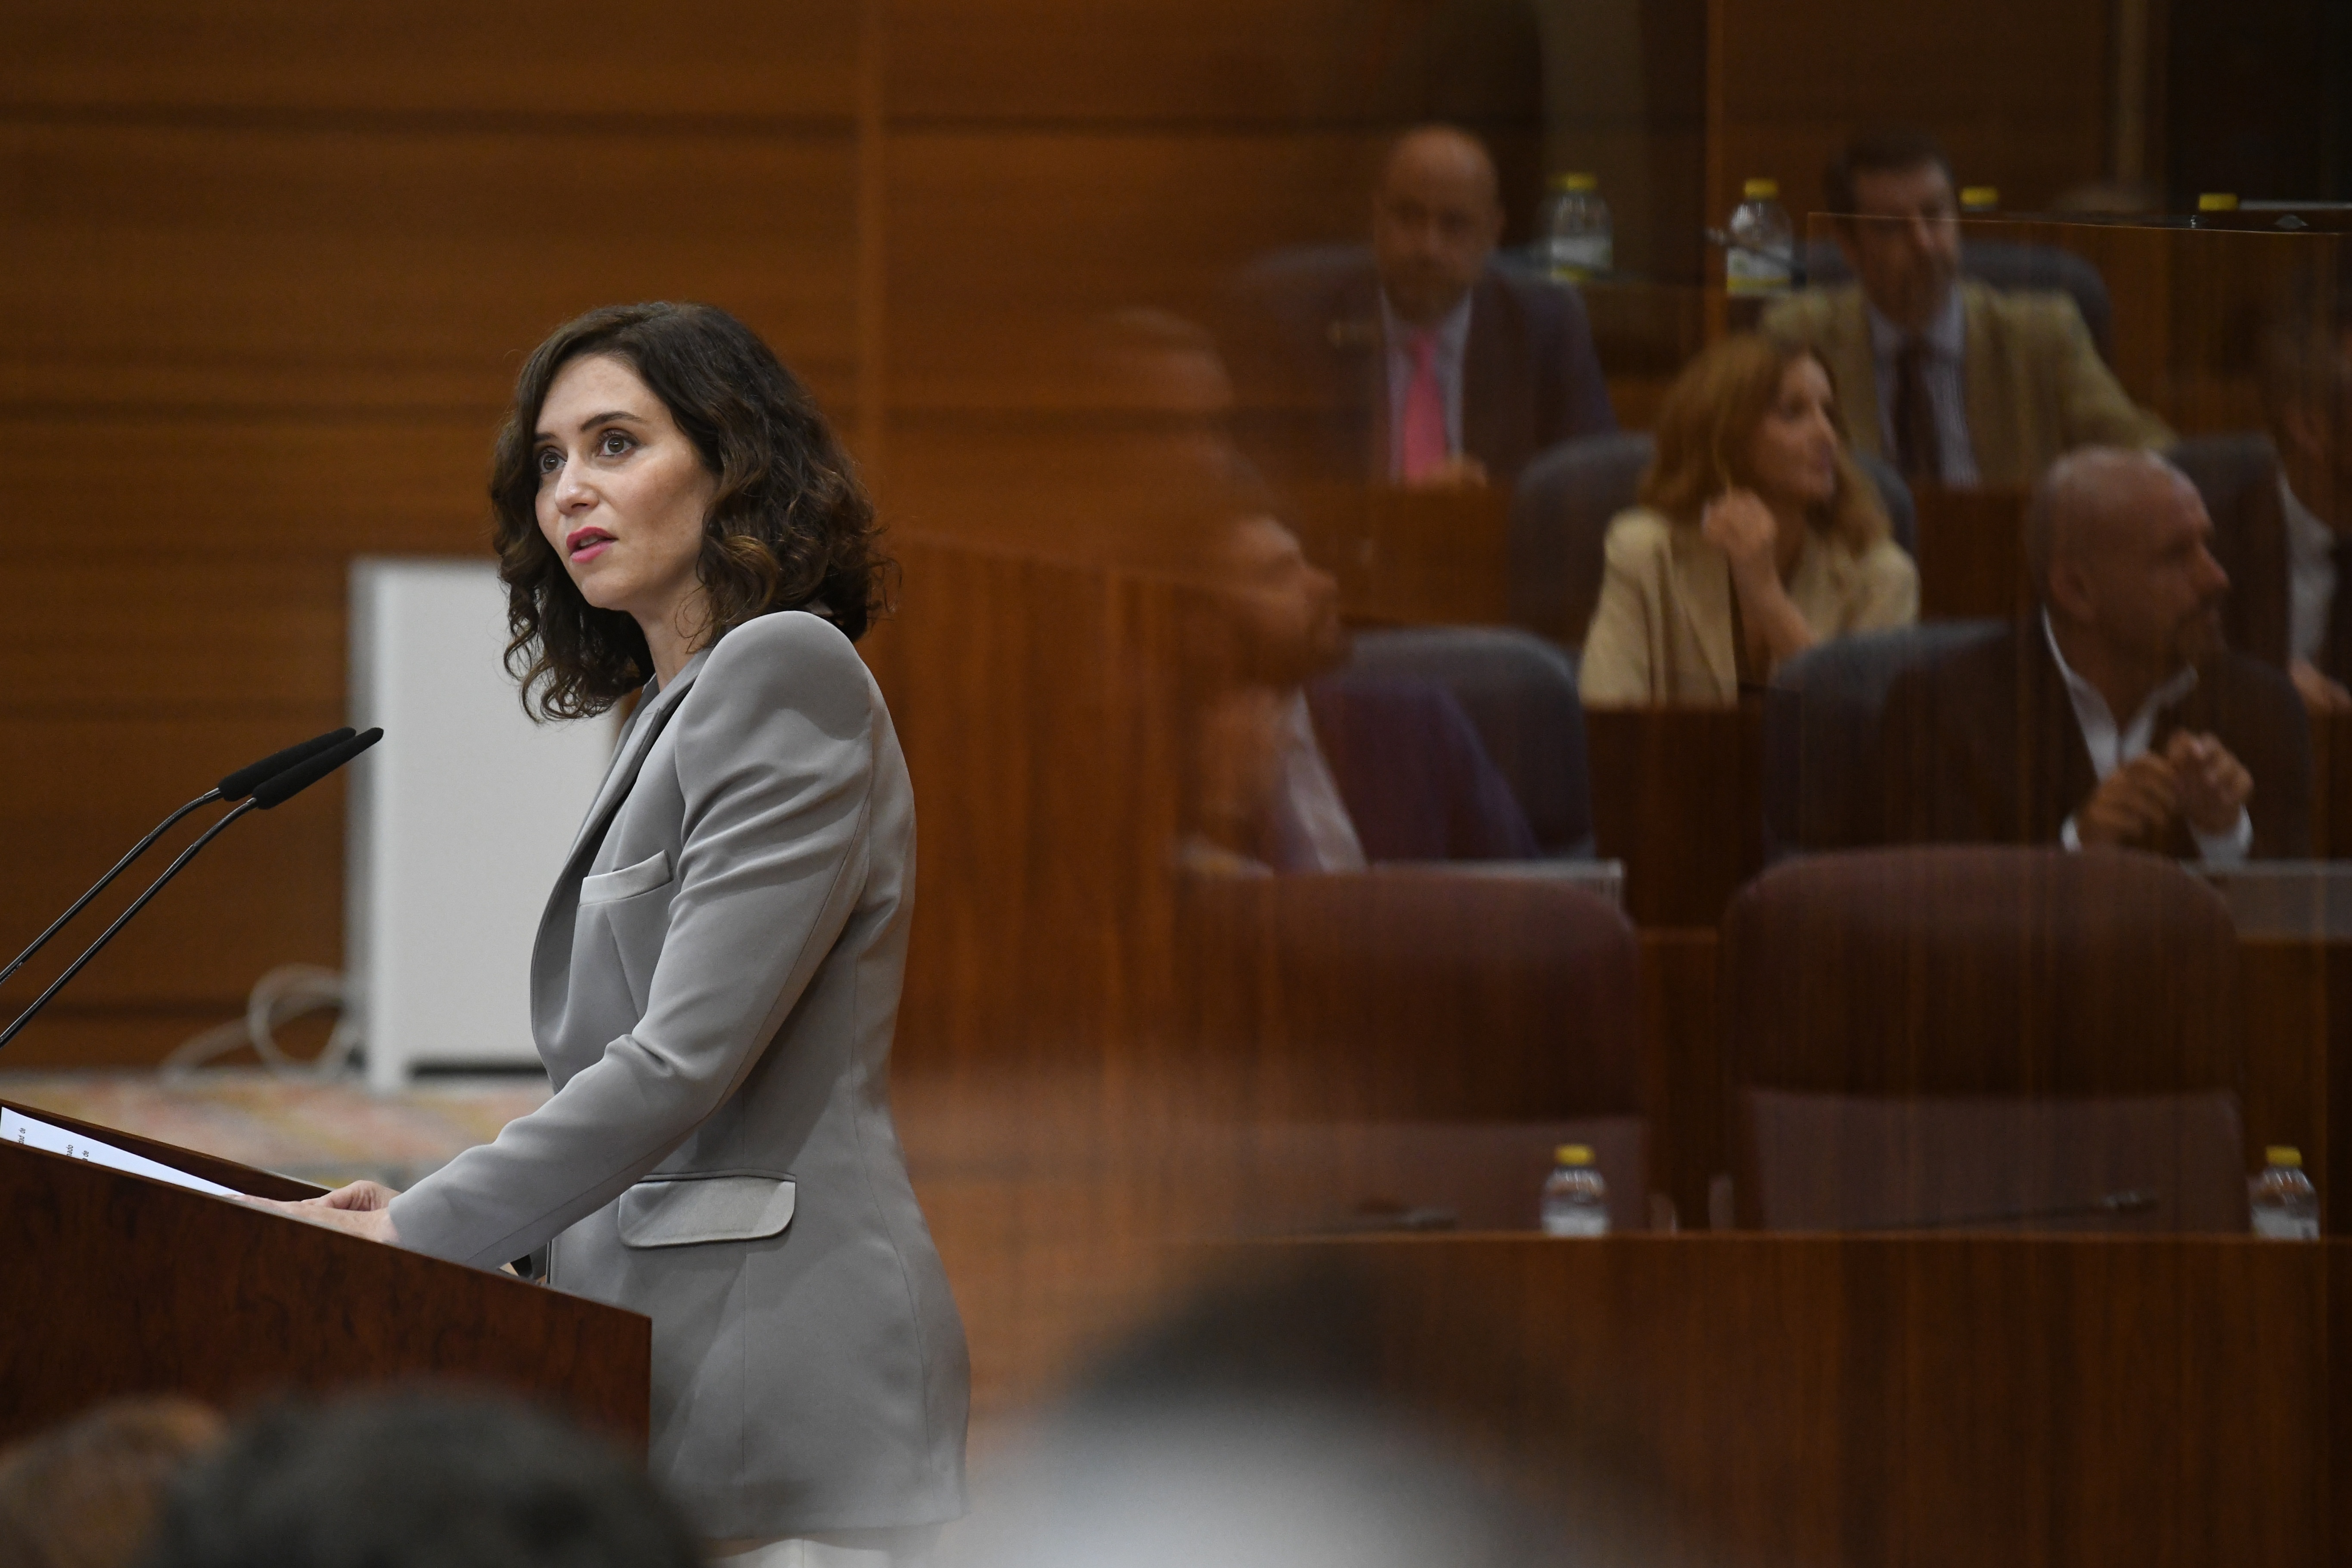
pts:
[2113, 715]
[1299, 772]
[1419, 362]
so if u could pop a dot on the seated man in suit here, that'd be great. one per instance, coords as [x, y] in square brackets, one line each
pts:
[1423, 363]
[2113, 715]
[1297, 772]
[1959, 384]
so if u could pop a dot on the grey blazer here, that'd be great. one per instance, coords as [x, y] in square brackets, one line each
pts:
[713, 992]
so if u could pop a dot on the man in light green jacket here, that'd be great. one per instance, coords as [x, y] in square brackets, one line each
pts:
[1955, 383]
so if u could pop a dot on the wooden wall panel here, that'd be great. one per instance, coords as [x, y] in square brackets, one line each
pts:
[103, 486]
[1132, 61]
[190, 634]
[1100, 491]
[1293, 63]
[1036, 704]
[1006, 242]
[599, 60]
[268, 266]
[272, 269]
[2016, 90]
[84, 788]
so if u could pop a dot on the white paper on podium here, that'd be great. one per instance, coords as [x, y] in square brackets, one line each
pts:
[31, 1134]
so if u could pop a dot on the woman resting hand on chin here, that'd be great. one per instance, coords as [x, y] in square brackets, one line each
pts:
[716, 979]
[1756, 538]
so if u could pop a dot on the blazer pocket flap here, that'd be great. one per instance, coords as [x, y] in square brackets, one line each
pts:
[627, 882]
[681, 1211]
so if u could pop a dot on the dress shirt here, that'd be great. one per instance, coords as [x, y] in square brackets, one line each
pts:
[1943, 338]
[2311, 576]
[2111, 748]
[1313, 830]
[1452, 334]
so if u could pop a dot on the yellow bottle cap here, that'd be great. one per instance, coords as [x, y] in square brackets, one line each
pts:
[1576, 181]
[1980, 198]
[2217, 202]
[2284, 1155]
[1573, 1154]
[1761, 190]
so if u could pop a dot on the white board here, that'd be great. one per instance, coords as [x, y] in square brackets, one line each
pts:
[459, 820]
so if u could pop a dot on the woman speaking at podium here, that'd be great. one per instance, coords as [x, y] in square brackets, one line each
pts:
[716, 973]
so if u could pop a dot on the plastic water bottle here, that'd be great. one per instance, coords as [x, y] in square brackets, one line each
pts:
[1575, 1199]
[1579, 241]
[2285, 1204]
[1762, 256]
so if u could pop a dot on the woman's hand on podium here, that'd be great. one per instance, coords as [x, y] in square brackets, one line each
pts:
[363, 1208]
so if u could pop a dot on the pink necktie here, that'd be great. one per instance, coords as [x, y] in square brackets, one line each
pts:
[1421, 442]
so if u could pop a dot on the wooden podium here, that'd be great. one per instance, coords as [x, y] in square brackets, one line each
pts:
[113, 1285]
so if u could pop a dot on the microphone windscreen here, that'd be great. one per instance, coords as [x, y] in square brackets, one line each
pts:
[240, 784]
[293, 781]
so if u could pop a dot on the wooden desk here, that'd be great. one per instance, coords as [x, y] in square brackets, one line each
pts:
[2331, 785]
[1677, 795]
[2294, 1004]
[1862, 1401]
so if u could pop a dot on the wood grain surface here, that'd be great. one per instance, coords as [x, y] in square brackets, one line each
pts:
[1879, 1401]
[120, 1285]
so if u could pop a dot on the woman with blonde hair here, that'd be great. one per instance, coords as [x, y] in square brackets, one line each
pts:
[1755, 537]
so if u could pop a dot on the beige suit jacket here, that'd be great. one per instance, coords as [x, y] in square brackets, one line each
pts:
[2036, 386]
[1661, 635]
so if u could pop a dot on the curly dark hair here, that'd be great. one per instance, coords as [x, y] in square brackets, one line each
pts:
[790, 529]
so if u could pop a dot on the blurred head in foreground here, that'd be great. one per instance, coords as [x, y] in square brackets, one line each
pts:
[1270, 1424]
[415, 1482]
[84, 1495]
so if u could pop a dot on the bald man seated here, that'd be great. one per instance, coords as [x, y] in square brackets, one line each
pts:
[1417, 363]
[2112, 715]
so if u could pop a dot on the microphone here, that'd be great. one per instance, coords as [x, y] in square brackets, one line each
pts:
[271, 792]
[234, 787]
[240, 784]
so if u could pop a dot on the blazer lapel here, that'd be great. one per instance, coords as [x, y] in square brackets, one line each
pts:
[1702, 588]
[2055, 776]
[1488, 367]
[1854, 371]
[628, 758]
[1994, 400]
